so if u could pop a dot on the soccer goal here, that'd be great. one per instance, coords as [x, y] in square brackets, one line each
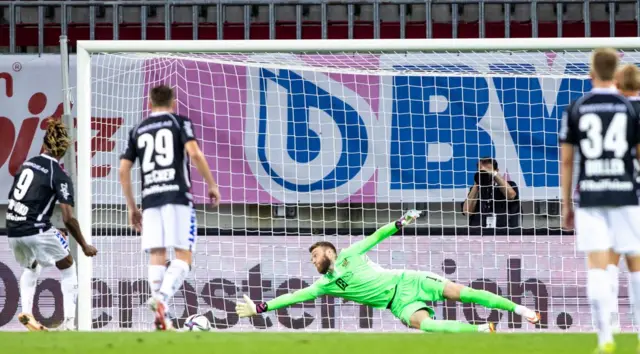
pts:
[327, 140]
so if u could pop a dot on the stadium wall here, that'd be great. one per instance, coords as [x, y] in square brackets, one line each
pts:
[543, 272]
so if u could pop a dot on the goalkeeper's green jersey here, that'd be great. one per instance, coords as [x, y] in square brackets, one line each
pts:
[354, 277]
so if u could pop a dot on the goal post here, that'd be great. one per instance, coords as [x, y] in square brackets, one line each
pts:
[84, 204]
[390, 104]
[356, 45]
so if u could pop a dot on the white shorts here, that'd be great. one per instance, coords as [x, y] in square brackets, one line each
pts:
[169, 226]
[600, 229]
[46, 248]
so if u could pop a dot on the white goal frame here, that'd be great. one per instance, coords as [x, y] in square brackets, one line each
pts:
[84, 94]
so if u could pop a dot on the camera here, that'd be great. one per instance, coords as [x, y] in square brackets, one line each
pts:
[483, 178]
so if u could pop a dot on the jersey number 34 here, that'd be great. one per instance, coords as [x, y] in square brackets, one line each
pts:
[614, 139]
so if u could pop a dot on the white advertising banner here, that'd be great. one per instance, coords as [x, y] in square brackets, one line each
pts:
[539, 271]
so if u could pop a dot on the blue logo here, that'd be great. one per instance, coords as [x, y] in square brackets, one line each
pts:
[192, 226]
[310, 138]
[62, 240]
[311, 144]
[441, 125]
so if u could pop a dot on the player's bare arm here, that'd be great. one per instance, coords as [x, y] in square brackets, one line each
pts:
[135, 216]
[566, 178]
[73, 227]
[200, 161]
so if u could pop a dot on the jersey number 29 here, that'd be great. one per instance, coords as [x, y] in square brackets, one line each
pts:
[614, 139]
[158, 149]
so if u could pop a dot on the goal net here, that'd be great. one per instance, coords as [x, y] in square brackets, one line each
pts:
[325, 144]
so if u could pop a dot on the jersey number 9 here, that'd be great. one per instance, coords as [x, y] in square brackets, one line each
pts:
[24, 182]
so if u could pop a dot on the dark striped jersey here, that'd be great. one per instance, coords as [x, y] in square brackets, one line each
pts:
[604, 126]
[37, 186]
[158, 143]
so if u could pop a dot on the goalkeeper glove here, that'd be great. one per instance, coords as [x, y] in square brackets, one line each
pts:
[249, 308]
[408, 217]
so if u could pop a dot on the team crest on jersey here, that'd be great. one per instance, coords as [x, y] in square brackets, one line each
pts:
[345, 262]
[343, 281]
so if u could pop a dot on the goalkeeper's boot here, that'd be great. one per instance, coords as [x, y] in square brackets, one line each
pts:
[607, 348]
[489, 327]
[30, 322]
[408, 217]
[159, 309]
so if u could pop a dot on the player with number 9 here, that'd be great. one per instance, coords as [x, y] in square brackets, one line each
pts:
[35, 243]
[164, 143]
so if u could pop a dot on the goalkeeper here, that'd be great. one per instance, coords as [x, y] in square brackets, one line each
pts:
[351, 276]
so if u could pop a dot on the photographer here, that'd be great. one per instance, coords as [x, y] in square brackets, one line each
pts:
[492, 202]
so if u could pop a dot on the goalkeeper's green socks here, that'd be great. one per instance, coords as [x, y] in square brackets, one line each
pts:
[487, 299]
[493, 301]
[440, 326]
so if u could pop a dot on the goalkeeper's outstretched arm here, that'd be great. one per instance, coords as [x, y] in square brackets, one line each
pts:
[249, 308]
[363, 246]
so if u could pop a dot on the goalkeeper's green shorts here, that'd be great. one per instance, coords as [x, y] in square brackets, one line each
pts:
[413, 290]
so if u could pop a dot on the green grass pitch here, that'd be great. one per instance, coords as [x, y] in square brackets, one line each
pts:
[303, 343]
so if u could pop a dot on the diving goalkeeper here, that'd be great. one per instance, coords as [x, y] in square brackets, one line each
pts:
[351, 276]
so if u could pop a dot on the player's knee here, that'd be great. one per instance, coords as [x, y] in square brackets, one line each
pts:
[598, 259]
[158, 256]
[184, 255]
[414, 323]
[154, 252]
[452, 291]
[633, 262]
[416, 319]
[65, 263]
[614, 257]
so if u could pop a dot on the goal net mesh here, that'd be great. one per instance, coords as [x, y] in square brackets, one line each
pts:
[309, 147]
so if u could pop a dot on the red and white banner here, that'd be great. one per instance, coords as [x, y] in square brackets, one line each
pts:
[31, 92]
[539, 271]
